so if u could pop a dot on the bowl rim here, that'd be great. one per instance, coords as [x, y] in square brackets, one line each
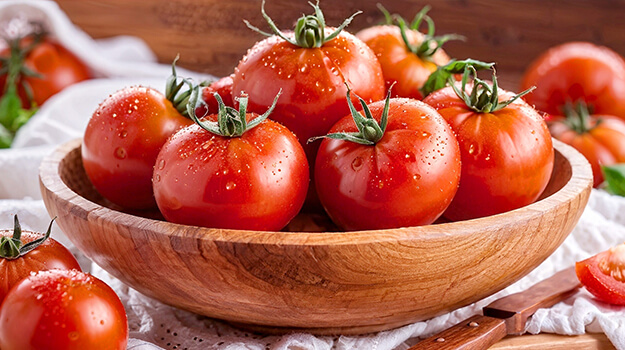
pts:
[580, 180]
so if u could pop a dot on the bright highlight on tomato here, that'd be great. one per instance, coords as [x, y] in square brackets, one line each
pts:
[603, 275]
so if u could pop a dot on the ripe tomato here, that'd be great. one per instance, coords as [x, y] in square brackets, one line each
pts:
[410, 61]
[577, 71]
[600, 138]
[232, 176]
[407, 177]
[506, 150]
[312, 76]
[19, 260]
[603, 275]
[122, 140]
[57, 67]
[62, 310]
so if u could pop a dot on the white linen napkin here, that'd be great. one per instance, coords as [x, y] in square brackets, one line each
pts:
[154, 325]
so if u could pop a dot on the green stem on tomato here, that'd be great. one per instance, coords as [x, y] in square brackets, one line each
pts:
[578, 117]
[174, 92]
[309, 30]
[443, 75]
[230, 122]
[12, 248]
[369, 130]
[484, 96]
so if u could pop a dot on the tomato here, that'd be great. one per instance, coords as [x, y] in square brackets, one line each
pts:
[253, 178]
[407, 177]
[122, 141]
[600, 138]
[19, 261]
[57, 67]
[506, 150]
[312, 77]
[62, 310]
[223, 87]
[603, 275]
[407, 63]
[577, 71]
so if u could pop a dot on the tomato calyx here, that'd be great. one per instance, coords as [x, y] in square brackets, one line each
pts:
[369, 130]
[230, 122]
[431, 43]
[173, 87]
[578, 117]
[443, 75]
[12, 248]
[614, 176]
[12, 114]
[309, 30]
[484, 96]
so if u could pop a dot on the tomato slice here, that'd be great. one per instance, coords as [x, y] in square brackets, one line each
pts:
[603, 275]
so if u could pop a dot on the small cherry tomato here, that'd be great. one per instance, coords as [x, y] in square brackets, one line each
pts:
[397, 166]
[123, 138]
[232, 170]
[506, 150]
[600, 138]
[407, 56]
[25, 252]
[574, 72]
[62, 310]
[603, 275]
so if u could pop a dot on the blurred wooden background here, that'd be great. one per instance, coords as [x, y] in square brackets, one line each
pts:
[211, 36]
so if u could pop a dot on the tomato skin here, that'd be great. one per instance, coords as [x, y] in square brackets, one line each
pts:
[406, 179]
[312, 82]
[399, 65]
[574, 71]
[64, 310]
[603, 144]
[597, 274]
[122, 141]
[49, 255]
[257, 181]
[507, 155]
[59, 67]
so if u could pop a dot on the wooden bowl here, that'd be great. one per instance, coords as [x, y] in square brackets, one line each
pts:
[319, 282]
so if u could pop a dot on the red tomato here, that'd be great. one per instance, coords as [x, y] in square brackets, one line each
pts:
[121, 143]
[577, 71]
[223, 87]
[58, 66]
[255, 181]
[600, 138]
[48, 255]
[401, 63]
[407, 178]
[603, 275]
[507, 155]
[62, 310]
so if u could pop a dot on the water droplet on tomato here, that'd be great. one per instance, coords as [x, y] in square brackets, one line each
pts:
[471, 149]
[487, 157]
[120, 153]
[357, 163]
[230, 185]
[161, 164]
[425, 134]
[123, 134]
[417, 176]
[73, 336]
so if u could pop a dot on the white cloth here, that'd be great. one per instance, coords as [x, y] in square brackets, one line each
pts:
[154, 325]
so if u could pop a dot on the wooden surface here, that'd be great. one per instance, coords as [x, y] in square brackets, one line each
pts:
[591, 341]
[211, 36]
[321, 282]
[475, 333]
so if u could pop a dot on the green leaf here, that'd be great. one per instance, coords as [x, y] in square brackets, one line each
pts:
[10, 106]
[614, 178]
[441, 77]
[6, 138]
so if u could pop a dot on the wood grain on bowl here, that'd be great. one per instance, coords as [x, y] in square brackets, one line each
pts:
[320, 282]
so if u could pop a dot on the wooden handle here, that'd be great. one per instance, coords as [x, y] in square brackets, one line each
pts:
[517, 308]
[477, 332]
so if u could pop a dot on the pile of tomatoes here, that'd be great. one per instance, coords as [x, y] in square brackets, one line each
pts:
[244, 152]
[48, 303]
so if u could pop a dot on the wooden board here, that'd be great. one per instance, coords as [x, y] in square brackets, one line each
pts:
[593, 341]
